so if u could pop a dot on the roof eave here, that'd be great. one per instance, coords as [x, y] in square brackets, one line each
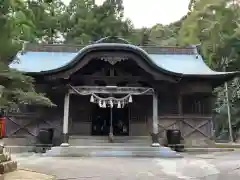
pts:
[218, 79]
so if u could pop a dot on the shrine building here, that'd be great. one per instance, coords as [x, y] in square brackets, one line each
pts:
[114, 87]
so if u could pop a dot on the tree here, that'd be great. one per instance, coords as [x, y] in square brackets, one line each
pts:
[15, 27]
[161, 35]
[215, 24]
[158, 35]
[85, 22]
[212, 24]
[47, 19]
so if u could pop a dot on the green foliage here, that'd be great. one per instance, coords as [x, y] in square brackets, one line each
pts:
[19, 89]
[85, 22]
[158, 35]
[215, 25]
[47, 20]
[16, 26]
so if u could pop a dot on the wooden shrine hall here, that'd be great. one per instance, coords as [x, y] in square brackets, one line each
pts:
[114, 88]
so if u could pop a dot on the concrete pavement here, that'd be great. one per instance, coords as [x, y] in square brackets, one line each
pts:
[212, 166]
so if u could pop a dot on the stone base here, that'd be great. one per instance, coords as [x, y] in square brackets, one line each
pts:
[8, 166]
[155, 145]
[65, 138]
[4, 158]
[112, 151]
[64, 145]
[1, 148]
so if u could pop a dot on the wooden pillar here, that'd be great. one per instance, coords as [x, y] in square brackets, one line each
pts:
[180, 111]
[65, 120]
[155, 142]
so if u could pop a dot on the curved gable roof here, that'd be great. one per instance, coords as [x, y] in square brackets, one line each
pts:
[170, 60]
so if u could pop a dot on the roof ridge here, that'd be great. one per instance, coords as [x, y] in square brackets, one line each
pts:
[74, 48]
[79, 45]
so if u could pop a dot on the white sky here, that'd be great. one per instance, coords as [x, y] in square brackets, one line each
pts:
[146, 13]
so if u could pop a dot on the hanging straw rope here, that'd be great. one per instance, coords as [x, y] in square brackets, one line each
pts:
[110, 100]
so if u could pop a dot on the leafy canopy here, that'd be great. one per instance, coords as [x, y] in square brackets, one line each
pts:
[16, 26]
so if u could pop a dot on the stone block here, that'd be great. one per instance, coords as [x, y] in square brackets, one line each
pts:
[4, 157]
[1, 148]
[8, 166]
[196, 142]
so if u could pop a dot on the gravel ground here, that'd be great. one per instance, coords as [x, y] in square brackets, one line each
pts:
[214, 166]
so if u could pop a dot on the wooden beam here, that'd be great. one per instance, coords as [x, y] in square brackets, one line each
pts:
[192, 88]
[107, 78]
[111, 90]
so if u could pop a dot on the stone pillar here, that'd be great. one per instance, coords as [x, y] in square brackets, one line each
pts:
[155, 142]
[65, 120]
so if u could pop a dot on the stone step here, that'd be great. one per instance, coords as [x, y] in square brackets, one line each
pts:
[103, 139]
[8, 166]
[14, 141]
[111, 151]
[109, 144]
[95, 143]
[106, 137]
[18, 149]
[131, 148]
[81, 142]
[88, 140]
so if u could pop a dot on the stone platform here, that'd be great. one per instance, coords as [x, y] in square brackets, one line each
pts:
[112, 151]
[99, 146]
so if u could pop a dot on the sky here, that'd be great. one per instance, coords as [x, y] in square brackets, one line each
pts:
[146, 13]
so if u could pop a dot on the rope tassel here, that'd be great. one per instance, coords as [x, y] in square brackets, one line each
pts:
[92, 99]
[130, 99]
[119, 104]
[104, 104]
[111, 103]
[100, 104]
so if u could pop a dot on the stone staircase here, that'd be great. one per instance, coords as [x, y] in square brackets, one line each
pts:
[96, 146]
